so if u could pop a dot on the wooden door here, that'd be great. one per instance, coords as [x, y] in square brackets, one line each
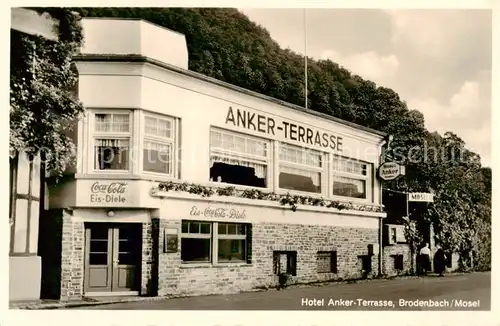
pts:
[126, 258]
[112, 257]
[98, 248]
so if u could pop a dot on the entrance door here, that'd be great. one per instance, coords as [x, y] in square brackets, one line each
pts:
[112, 258]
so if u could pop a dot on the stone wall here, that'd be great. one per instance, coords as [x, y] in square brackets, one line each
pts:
[148, 261]
[306, 240]
[72, 258]
[389, 252]
[163, 273]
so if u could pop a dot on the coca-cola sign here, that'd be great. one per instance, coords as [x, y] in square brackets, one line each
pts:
[218, 212]
[108, 192]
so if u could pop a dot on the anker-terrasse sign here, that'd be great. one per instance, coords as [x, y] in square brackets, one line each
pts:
[289, 130]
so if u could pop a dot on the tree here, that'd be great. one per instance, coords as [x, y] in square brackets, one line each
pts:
[43, 107]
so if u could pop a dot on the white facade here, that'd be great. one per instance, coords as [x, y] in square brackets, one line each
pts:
[193, 107]
[142, 103]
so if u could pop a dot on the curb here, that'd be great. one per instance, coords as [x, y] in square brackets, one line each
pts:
[93, 302]
[83, 303]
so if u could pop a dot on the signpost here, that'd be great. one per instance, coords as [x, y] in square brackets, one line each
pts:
[422, 197]
[390, 171]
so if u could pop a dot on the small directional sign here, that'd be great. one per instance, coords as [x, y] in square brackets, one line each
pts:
[422, 197]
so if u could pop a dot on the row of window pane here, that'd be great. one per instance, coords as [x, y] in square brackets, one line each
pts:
[121, 123]
[196, 227]
[157, 157]
[127, 258]
[299, 179]
[238, 171]
[349, 166]
[205, 228]
[237, 144]
[112, 122]
[297, 155]
[349, 187]
[158, 127]
[232, 229]
[200, 249]
[113, 154]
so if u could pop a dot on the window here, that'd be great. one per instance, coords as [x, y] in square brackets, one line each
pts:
[158, 145]
[394, 235]
[398, 262]
[196, 241]
[231, 242]
[366, 263]
[238, 159]
[285, 262]
[112, 134]
[400, 234]
[300, 169]
[350, 178]
[326, 261]
[117, 146]
[199, 240]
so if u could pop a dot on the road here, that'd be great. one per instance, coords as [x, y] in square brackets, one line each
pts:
[449, 291]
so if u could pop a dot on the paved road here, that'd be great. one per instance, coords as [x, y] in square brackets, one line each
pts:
[473, 289]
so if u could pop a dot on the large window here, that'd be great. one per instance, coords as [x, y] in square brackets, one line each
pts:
[115, 146]
[158, 145]
[238, 159]
[196, 242]
[205, 242]
[112, 135]
[300, 169]
[350, 178]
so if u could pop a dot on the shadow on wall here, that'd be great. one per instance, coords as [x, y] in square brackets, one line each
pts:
[152, 282]
[49, 249]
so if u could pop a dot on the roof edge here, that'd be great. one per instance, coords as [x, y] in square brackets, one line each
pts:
[134, 19]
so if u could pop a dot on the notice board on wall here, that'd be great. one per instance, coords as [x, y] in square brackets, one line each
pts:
[171, 241]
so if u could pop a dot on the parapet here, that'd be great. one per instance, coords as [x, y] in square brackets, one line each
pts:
[112, 36]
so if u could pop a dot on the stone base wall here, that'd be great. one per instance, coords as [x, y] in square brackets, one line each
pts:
[349, 243]
[72, 258]
[148, 263]
[389, 252]
[164, 274]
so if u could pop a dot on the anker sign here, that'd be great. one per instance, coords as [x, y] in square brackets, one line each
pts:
[390, 171]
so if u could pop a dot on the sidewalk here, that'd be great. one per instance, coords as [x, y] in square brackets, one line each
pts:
[56, 304]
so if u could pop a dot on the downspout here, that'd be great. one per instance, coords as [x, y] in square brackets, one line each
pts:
[386, 141]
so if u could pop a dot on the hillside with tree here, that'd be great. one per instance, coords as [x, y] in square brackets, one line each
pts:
[225, 44]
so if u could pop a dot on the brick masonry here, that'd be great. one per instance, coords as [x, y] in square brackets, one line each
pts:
[72, 258]
[350, 243]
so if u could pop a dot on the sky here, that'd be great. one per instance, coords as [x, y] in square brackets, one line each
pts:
[437, 60]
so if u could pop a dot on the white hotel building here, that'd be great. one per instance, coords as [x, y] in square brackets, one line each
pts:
[133, 218]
